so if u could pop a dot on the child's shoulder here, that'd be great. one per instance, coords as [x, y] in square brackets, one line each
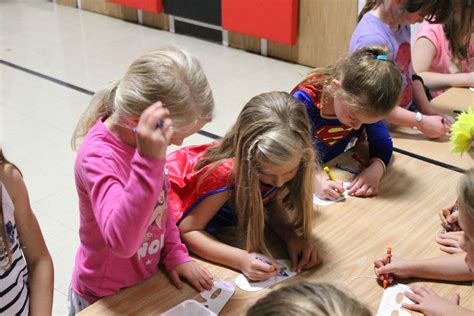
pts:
[12, 179]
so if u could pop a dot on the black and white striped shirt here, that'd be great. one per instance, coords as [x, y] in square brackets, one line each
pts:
[14, 293]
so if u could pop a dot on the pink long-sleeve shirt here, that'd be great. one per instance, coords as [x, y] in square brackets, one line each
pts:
[125, 228]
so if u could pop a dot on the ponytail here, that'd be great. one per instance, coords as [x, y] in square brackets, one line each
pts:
[102, 104]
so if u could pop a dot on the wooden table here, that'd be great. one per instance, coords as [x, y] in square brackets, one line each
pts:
[351, 234]
[439, 149]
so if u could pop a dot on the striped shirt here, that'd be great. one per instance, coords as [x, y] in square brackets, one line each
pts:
[14, 294]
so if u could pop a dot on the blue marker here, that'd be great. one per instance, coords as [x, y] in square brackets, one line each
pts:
[282, 271]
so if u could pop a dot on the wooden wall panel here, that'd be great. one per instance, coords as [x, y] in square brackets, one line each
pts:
[70, 3]
[110, 9]
[324, 33]
[245, 42]
[155, 20]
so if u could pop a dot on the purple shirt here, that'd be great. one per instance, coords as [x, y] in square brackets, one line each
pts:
[125, 225]
[373, 31]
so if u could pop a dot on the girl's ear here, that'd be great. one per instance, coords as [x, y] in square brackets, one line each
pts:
[335, 84]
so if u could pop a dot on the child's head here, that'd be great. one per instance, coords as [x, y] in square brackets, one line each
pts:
[366, 86]
[459, 27]
[270, 143]
[169, 75]
[466, 216]
[308, 299]
[407, 12]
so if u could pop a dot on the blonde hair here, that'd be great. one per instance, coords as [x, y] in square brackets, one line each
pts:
[435, 11]
[466, 193]
[369, 85]
[271, 128]
[170, 75]
[308, 299]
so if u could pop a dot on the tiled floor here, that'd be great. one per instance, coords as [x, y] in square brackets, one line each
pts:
[85, 49]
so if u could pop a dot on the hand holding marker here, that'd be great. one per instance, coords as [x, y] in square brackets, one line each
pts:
[159, 124]
[330, 176]
[282, 272]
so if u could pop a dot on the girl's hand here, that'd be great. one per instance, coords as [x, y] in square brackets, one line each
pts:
[309, 254]
[434, 126]
[197, 275]
[428, 303]
[328, 189]
[449, 242]
[449, 221]
[367, 182]
[154, 131]
[257, 267]
[397, 267]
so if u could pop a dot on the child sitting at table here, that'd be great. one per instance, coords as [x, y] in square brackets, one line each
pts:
[457, 267]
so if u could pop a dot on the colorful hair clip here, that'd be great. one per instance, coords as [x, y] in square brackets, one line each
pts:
[382, 57]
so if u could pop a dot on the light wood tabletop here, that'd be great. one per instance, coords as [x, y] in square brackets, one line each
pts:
[350, 234]
[414, 141]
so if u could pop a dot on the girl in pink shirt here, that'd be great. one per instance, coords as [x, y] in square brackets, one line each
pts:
[443, 54]
[126, 226]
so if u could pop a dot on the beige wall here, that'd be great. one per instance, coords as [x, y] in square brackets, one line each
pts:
[70, 3]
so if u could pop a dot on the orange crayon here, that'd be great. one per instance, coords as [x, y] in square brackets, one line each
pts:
[389, 256]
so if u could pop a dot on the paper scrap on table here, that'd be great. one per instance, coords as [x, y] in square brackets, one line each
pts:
[251, 286]
[323, 202]
[211, 302]
[392, 299]
[471, 88]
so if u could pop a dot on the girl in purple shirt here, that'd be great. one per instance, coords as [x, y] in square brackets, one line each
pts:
[387, 23]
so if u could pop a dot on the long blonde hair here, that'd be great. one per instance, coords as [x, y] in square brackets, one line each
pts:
[271, 128]
[369, 85]
[466, 193]
[435, 11]
[170, 75]
[308, 299]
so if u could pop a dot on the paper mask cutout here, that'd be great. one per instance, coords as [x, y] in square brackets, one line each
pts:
[210, 303]
[189, 308]
[218, 296]
[250, 286]
[392, 299]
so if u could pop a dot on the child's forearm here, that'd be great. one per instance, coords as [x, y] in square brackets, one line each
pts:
[438, 81]
[421, 100]
[207, 247]
[402, 117]
[41, 282]
[447, 268]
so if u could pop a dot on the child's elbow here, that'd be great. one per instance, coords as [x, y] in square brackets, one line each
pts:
[121, 248]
